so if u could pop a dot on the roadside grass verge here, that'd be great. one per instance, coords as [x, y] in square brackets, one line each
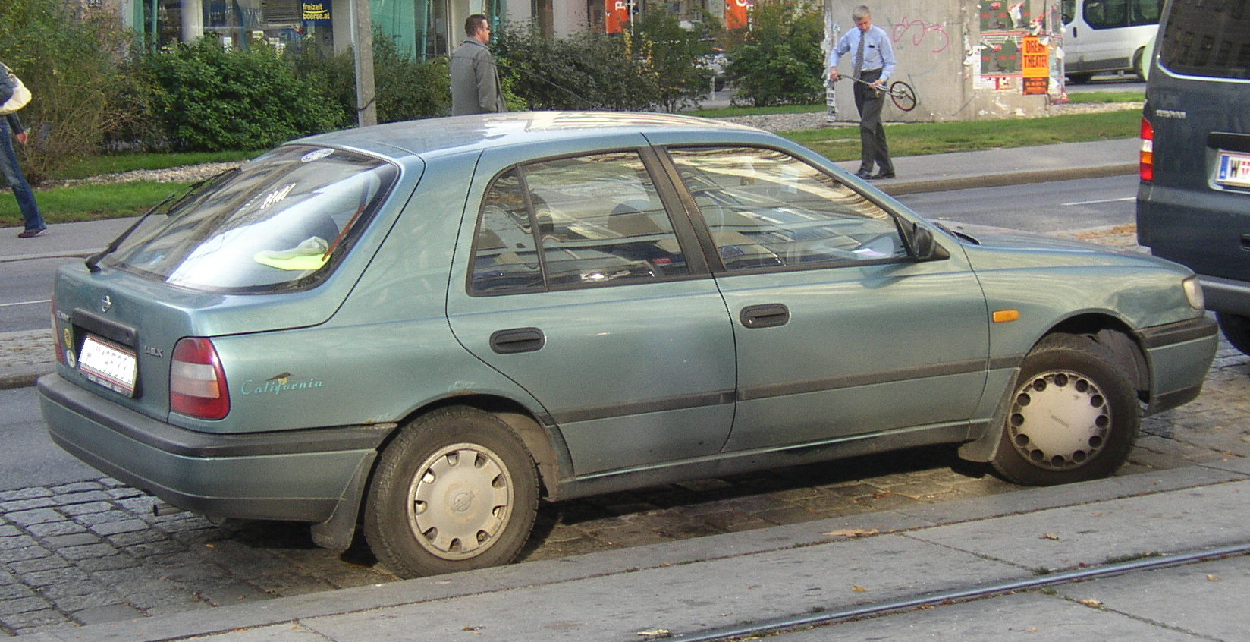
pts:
[85, 202]
[919, 139]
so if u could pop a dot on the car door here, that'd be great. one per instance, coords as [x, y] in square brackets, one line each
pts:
[579, 287]
[839, 332]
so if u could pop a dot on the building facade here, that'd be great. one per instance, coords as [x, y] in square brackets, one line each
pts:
[424, 28]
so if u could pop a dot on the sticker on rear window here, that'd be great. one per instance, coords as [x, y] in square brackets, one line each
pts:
[315, 156]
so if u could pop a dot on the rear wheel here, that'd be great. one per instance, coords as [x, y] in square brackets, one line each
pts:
[1074, 416]
[1236, 329]
[1139, 64]
[456, 490]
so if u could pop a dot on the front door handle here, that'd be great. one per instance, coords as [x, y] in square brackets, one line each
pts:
[517, 340]
[769, 315]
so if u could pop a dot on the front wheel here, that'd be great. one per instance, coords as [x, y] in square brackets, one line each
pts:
[456, 490]
[1074, 416]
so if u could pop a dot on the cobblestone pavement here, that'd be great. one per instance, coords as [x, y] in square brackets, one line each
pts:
[95, 551]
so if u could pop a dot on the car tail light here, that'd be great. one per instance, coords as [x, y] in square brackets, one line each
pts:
[1147, 166]
[56, 339]
[197, 382]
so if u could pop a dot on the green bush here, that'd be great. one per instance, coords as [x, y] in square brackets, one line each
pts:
[405, 87]
[408, 88]
[591, 71]
[209, 98]
[69, 59]
[676, 57]
[779, 62]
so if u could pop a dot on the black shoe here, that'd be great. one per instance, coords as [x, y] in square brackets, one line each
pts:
[881, 175]
[864, 174]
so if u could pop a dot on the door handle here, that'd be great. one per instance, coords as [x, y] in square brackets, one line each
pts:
[517, 340]
[768, 315]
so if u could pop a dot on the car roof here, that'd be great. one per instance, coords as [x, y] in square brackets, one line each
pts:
[471, 134]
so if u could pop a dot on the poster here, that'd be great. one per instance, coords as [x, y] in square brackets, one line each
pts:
[1035, 66]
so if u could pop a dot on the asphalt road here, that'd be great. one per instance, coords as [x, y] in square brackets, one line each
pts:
[30, 457]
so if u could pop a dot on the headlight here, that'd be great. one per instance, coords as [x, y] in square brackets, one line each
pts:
[1193, 292]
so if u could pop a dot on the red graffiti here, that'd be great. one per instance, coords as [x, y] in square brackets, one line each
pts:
[919, 30]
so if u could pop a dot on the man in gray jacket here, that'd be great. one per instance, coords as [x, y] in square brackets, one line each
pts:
[474, 78]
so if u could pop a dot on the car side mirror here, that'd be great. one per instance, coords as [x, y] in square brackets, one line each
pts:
[923, 246]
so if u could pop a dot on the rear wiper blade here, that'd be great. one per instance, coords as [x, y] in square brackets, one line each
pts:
[93, 261]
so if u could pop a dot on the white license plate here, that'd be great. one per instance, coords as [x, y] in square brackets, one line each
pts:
[1233, 169]
[108, 364]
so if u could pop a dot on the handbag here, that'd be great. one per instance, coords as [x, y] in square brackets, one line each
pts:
[21, 95]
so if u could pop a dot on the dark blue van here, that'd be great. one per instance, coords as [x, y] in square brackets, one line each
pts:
[1193, 206]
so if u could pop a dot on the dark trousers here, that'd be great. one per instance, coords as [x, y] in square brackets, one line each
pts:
[873, 148]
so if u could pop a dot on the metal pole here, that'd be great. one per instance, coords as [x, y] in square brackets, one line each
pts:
[362, 45]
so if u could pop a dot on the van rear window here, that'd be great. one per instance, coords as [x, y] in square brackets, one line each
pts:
[1207, 38]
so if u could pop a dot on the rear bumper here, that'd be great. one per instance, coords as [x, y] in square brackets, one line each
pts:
[1180, 355]
[290, 475]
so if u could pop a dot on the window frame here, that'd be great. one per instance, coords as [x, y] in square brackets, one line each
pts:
[704, 234]
[682, 229]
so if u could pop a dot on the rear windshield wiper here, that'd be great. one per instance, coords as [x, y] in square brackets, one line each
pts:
[93, 261]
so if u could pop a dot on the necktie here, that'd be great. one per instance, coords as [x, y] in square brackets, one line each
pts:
[859, 56]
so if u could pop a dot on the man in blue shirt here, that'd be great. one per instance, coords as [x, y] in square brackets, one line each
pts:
[872, 57]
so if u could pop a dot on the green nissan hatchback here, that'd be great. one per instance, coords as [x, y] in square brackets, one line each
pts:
[425, 329]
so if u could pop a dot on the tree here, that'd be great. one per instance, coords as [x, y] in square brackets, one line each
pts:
[676, 57]
[779, 61]
[70, 58]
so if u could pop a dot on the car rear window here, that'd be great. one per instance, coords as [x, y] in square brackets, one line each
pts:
[1208, 38]
[282, 221]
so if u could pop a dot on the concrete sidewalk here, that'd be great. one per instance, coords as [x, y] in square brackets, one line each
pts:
[696, 586]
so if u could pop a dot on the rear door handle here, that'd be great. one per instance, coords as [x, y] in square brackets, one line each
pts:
[768, 315]
[517, 340]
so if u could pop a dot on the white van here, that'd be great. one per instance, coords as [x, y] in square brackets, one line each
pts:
[1106, 36]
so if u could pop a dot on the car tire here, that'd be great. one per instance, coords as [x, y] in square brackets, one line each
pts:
[1138, 66]
[456, 490]
[1236, 329]
[1074, 415]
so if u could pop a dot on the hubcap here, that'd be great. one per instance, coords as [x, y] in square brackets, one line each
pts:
[1059, 420]
[460, 501]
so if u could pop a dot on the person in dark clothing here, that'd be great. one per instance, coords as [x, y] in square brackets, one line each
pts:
[474, 77]
[872, 56]
[10, 128]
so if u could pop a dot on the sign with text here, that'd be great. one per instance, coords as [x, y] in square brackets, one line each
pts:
[1035, 63]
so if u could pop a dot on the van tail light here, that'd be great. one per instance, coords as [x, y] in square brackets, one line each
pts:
[197, 382]
[1147, 165]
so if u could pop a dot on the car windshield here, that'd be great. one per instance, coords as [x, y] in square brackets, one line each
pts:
[282, 221]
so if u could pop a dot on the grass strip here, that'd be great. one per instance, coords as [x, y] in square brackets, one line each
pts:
[117, 200]
[919, 139]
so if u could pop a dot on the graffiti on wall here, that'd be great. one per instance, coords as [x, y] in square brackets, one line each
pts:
[931, 35]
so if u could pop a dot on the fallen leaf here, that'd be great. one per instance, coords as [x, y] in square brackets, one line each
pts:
[859, 589]
[1092, 603]
[853, 532]
[1050, 536]
[1212, 578]
[655, 633]
[471, 629]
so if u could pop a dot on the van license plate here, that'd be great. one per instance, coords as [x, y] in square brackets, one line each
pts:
[1233, 169]
[108, 364]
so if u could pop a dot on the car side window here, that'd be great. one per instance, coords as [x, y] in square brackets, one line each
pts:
[766, 209]
[574, 222]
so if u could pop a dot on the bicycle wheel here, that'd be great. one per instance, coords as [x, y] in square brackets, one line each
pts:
[903, 95]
